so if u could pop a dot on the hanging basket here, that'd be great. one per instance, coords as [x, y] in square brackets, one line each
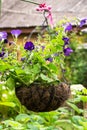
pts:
[38, 98]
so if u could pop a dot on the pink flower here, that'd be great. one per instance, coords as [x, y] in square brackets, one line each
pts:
[44, 7]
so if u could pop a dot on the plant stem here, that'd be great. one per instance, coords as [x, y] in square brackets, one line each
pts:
[30, 2]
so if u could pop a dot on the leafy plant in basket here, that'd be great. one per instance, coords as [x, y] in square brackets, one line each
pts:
[33, 69]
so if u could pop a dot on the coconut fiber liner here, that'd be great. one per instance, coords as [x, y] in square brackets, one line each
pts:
[38, 98]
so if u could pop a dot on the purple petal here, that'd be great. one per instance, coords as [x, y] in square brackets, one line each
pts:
[16, 32]
[43, 47]
[3, 35]
[49, 59]
[56, 54]
[67, 51]
[83, 22]
[66, 40]
[11, 42]
[5, 40]
[2, 54]
[23, 58]
[29, 46]
[68, 27]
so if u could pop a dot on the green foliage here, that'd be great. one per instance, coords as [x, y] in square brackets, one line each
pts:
[36, 65]
[74, 107]
[61, 119]
[8, 100]
[77, 63]
[15, 117]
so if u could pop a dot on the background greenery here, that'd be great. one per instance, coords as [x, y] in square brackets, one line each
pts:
[77, 62]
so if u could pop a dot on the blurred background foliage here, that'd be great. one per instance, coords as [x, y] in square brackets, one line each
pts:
[77, 62]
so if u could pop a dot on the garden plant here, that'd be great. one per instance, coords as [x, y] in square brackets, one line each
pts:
[33, 79]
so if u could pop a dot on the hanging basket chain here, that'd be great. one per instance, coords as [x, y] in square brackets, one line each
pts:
[43, 24]
[31, 2]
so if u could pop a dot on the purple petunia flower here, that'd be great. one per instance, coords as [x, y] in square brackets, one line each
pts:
[5, 40]
[67, 51]
[2, 54]
[11, 42]
[3, 49]
[3, 35]
[29, 46]
[16, 32]
[23, 58]
[66, 40]
[83, 22]
[43, 47]
[68, 27]
[49, 59]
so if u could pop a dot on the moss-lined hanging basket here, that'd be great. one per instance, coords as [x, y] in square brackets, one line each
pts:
[38, 98]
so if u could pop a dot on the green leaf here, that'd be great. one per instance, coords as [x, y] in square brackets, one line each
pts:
[36, 69]
[79, 111]
[22, 118]
[4, 66]
[83, 98]
[84, 124]
[10, 83]
[45, 78]
[68, 125]
[9, 104]
[14, 124]
[32, 127]
[53, 67]
[19, 71]
[76, 119]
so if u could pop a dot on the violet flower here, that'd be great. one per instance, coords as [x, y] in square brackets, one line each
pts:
[83, 22]
[67, 51]
[23, 58]
[29, 46]
[11, 42]
[68, 27]
[5, 40]
[2, 54]
[66, 40]
[43, 47]
[3, 35]
[16, 32]
[49, 59]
